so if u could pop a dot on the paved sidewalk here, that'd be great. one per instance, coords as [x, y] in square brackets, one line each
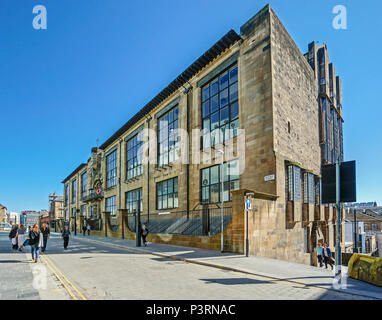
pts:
[275, 269]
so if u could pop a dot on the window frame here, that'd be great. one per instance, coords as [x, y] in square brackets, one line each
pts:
[127, 202]
[174, 194]
[74, 190]
[293, 187]
[111, 172]
[208, 133]
[137, 159]
[176, 148]
[84, 186]
[217, 185]
[111, 206]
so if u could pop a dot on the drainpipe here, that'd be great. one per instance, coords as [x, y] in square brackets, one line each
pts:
[148, 169]
[188, 92]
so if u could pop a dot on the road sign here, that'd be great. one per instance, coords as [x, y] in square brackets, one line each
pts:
[347, 182]
[248, 205]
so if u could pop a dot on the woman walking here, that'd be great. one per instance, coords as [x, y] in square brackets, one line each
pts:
[144, 233]
[65, 236]
[21, 234]
[13, 236]
[35, 241]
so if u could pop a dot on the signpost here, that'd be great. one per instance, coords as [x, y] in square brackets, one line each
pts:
[339, 185]
[248, 206]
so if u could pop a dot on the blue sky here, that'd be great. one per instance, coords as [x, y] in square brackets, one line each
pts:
[99, 62]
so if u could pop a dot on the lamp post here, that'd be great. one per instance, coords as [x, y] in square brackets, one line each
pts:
[247, 208]
[75, 221]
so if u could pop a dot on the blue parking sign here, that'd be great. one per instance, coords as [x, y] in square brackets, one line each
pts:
[248, 204]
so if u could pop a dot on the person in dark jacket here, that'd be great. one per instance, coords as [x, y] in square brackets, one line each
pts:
[327, 255]
[46, 235]
[35, 240]
[144, 233]
[65, 236]
[84, 230]
[13, 237]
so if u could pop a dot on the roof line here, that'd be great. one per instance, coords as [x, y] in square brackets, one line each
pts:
[82, 165]
[218, 48]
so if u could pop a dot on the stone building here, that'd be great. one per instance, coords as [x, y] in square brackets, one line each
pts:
[56, 207]
[257, 93]
[3, 213]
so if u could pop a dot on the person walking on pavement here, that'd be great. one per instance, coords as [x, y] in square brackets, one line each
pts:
[327, 254]
[35, 240]
[46, 235]
[13, 237]
[319, 252]
[84, 228]
[144, 233]
[65, 236]
[88, 227]
[21, 234]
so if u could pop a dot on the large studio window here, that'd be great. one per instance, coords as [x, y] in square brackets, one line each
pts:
[84, 184]
[293, 183]
[220, 108]
[111, 170]
[111, 205]
[168, 145]
[309, 188]
[132, 198]
[74, 190]
[135, 156]
[167, 194]
[211, 182]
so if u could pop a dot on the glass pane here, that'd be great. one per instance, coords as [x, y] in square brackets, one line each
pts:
[234, 125]
[160, 203]
[233, 75]
[234, 111]
[176, 185]
[205, 193]
[214, 174]
[164, 202]
[176, 203]
[233, 92]
[205, 177]
[176, 113]
[224, 98]
[171, 116]
[234, 170]
[170, 186]
[226, 191]
[226, 171]
[206, 124]
[215, 121]
[215, 103]
[224, 116]
[206, 93]
[224, 81]
[159, 189]
[206, 108]
[206, 140]
[170, 201]
[215, 190]
[215, 88]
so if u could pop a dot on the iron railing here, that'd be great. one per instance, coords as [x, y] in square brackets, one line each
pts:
[197, 222]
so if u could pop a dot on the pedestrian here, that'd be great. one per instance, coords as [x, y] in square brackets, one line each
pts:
[144, 233]
[21, 234]
[84, 228]
[319, 253]
[88, 227]
[13, 237]
[65, 237]
[35, 240]
[327, 254]
[45, 230]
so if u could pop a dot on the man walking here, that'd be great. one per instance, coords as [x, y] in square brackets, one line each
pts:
[84, 228]
[319, 252]
[65, 236]
[88, 227]
[327, 254]
[46, 235]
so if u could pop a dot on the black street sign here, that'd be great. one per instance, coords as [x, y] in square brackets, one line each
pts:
[347, 183]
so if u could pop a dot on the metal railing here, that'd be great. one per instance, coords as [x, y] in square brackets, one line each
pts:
[197, 222]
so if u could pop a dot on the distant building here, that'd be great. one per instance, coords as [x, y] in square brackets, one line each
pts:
[3, 213]
[56, 207]
[361, 205]
[13, 218]
[29, 218]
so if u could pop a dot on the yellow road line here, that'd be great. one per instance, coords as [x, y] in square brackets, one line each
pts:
[59, 279]
[65, 278]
